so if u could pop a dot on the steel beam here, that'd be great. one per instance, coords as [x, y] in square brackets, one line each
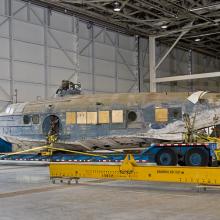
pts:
[187, 77]
[116, 60]
[46, 16]
[55, 40]
[12, 13]
[122, 57]
[76, 32]
[168, 52]
[140, 73]
[94, 37]
[93, 58]
[152, 63]
[11, 49]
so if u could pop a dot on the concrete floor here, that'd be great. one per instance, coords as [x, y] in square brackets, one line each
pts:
[26, 193]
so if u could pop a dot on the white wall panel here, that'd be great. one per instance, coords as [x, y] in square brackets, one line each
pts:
[128, 56]
[36, 11]
[28, 32]
[28, 72]
[4, 90]
[84, 32]
[109, 37]
[66, 40]
[39, 64]
[4, 69]
[124, 73]
[28, 52]
[2, 7]
[124, 85]
[103, 67]
[126, 42]
[85, 64]
[4, 28]
[52, 90]
[103, 51]
[101, 36]
[56, 57]
[22, 14]
[86, 81]
[85, 47]
[61, 22]
[29, 91]
[104, 84]
[4, 45]
[56, 75]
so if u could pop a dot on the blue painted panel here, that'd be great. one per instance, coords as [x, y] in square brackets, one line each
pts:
[5, 146]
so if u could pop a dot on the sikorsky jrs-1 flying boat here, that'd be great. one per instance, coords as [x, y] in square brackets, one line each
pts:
[107, 121]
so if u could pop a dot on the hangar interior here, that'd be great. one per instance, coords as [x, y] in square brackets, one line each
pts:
[44, 42]
[132, 156]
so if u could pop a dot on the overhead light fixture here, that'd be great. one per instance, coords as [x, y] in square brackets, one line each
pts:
[197, 39]
[164, 26]
[117, 7]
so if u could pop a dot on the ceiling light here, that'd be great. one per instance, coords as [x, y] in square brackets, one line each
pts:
[197, 39]
[164, 26]
[117, 6]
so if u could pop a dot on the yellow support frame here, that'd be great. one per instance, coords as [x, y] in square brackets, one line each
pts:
[129, 170]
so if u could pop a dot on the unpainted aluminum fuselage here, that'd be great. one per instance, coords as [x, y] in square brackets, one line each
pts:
[146, 126]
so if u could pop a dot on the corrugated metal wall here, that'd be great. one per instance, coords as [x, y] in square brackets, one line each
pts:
[40, 47]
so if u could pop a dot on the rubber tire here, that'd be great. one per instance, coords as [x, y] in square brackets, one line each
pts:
[202, 152]
[172, 154]
[181, 163]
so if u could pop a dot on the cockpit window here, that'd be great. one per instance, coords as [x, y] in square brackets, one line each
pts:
[15, 108]
[26, 119]
[35, 119]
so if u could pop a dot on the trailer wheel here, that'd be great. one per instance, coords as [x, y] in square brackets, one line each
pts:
[197, 157]
[166, 157]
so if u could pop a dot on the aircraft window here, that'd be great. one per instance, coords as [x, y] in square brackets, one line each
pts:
[70, 118]
[161, 114]
[26, 119]
[103, 117]
[81, 117]
[175, 113]
[11, 110]
[117, 116]
[91, 117]
[132, 116]
[35, 119]
[8, 109]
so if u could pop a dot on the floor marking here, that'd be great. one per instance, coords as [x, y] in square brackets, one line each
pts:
[31, 191]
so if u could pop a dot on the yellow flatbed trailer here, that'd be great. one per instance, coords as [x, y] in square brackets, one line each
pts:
[130, 170]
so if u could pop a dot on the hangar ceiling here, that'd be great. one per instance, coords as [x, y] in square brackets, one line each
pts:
[164, 18]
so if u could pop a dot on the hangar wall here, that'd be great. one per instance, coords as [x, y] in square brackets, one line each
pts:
[40, 47]
[180, 62]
